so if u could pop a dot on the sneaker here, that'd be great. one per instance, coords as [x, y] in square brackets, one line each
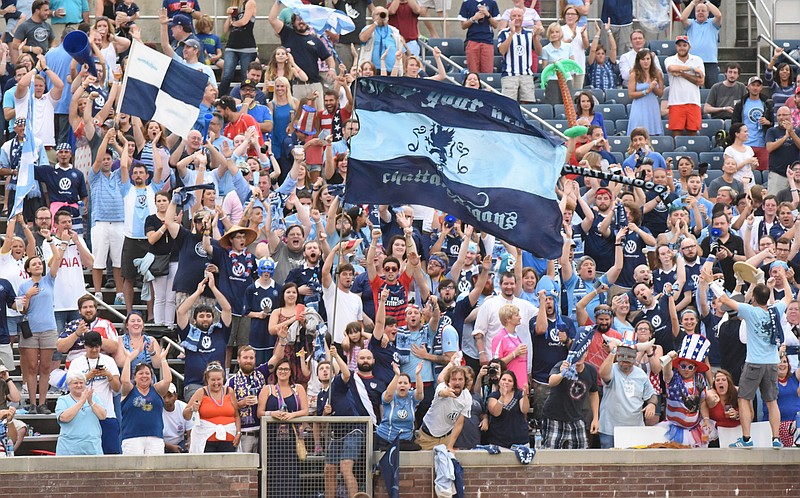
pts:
[119, 300]
[110, 284]
[24, 391]
[776, 443]
[43, 410]
[98, 296]
[741, 443]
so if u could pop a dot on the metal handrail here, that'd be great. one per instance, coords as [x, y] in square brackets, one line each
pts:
[751, 8]
[173, 345]
[108, 307]
[488, 87]
[774, 46]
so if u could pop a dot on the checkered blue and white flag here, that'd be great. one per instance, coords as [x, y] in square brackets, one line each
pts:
[25, 175]
[161, 88]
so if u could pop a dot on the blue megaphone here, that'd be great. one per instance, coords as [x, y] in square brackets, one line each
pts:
[77, 45]
[715, 233]
[207, 117]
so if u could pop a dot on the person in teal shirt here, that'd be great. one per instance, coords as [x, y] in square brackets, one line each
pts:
[79, 414]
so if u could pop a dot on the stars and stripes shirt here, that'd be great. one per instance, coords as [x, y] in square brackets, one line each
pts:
[518, 59]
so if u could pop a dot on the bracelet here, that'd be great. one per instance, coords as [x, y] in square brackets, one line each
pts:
[50, 240]
[796, 190]
[617, 245]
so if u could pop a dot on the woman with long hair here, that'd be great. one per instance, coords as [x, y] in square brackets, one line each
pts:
[472, 80]
[110, 45]
[745, 158]
[723, 408]
[151, 139]
[621, 307]
[649, 361]
[281, 64]
[216, 405]
[780, 80]
[134, 339]
[162, 245]
[287, 313]
[283, 107]
[788, 400]
[508, 408]
[36, 351]
[645, 87]
[584, 107]
[241, 47]
[282, 401]
[667, 270]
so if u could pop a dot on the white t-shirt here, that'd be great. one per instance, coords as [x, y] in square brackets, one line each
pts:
[101, 386]
[576, 41]
[13, 271]
[444, 412]
[739, 157]
[69, 285]
[175, 426]
[349, 308]
[44, 109]
[681, 90]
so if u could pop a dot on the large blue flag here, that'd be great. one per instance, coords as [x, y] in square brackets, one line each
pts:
[466, 152]
[25, 176]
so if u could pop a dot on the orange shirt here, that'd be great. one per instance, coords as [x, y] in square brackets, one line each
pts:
[220, 415]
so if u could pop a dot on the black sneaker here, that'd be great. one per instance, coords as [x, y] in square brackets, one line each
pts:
[43, 410]
[110, 284]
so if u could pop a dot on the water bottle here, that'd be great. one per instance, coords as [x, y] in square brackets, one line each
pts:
[537, 440]
[8, 444]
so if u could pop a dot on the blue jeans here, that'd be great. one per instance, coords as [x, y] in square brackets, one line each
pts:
[606, 441]
[231, 58]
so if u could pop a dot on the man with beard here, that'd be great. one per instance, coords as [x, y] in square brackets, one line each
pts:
[552, 337]
[397, 284]
[455, 312]
[238, 121]
[247, 384]
[332, 117]
[655, 311]
[308, 277]
[598, 347]
[487, 323]
[307, 50]
[698, 206]
[237, 269]
[203, 341]
[351, 395]
[445, 418]
[139, 200]
[728, 249]
[341, 305]
[71, 340]
[288, 254]
[599, 241]
[626, 387]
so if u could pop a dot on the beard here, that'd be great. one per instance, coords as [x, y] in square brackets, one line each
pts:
[203, 326]
[603, 327]
[364, 367]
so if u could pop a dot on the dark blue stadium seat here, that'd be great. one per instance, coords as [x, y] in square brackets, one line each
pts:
[612, 112]
[599, 95]
[704, 94]
[622, 126]
[699, 143]
[461, 60]
[610, 127]
[712, 175]
[492, 79]
[558, 111]
[677, 155]
[619, 156]
[618, 96]
[459, 77]
[619, 144]
[559, 124]
[714, 160]
[787, 45]
[544, 111]
[539, 92]
[662, 143]
[710, 127]
[663, 48]
[498, 63]
[448, 46]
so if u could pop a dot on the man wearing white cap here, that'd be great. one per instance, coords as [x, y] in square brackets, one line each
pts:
[686, 74]
[177, 430]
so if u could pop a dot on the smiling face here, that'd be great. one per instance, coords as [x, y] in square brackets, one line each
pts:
[143, 378]
[215, 379]
[472, 81]
[135, 324]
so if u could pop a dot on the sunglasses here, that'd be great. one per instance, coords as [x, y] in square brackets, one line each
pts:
[391, 268]
[213, 367]
[687, 366]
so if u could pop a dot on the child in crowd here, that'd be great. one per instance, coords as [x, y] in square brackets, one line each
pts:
[204, 30]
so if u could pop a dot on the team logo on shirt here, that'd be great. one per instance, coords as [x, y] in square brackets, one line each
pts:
[41, 34]
[577, 390]
[452, 416]
[266, 304]
[656, 321]
[402, 414]
[237, 269]
[755, 114]
[65, 184]
[198, 249]
[630, 246]
[373, 385]
[205, 342]
[141, 201]
[519, 50]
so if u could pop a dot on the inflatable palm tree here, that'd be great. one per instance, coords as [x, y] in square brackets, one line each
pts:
[562, 68]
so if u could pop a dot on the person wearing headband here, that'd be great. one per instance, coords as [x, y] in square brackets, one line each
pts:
[260, 298]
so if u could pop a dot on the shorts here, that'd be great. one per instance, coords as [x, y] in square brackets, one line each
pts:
[145, 445]
[12, 322]
[314, 168]
[439, 5]
[240, 331]
[132, 249]
[41, 340]
[107, 239]
[519, 88]
[7, 356]
[348, 447]
[560, 435]
[685, 117]
[755, 376]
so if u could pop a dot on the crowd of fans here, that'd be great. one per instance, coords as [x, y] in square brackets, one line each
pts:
[241, 241]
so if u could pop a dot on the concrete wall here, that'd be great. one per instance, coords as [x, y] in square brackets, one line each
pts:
[605, 473]
[223, 475]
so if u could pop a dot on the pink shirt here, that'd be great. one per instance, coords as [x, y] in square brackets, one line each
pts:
[503, 345]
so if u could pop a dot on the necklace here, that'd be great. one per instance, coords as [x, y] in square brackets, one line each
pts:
[221, 401]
